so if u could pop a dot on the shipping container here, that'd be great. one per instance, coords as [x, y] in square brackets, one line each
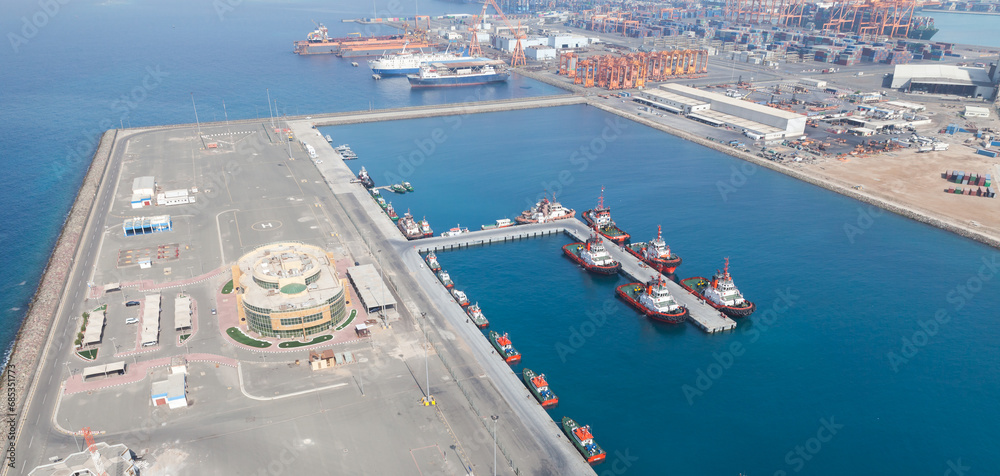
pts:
[988, 153]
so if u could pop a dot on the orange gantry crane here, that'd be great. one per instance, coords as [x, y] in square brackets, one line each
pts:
[634, 69]
[864, 17]
[517, 58]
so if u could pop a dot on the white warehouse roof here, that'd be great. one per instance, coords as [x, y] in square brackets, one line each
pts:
[939, 74]
[722, 98]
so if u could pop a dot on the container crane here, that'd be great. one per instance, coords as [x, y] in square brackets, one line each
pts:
[517, 58]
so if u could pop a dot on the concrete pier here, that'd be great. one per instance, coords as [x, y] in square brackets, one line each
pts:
[703, 316]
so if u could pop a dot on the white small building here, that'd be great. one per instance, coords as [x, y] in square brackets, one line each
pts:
[171, 392]
[508, 42]
[174, 197]
[540, 53]
[143, 190]
[563, 41]
[976, 111]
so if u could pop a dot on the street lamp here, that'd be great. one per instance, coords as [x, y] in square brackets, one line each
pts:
[495, 418]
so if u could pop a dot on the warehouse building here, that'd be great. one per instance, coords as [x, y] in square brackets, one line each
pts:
[143, 190]
[289, 290]
[946, 79]
[756, 120]
[540, 53]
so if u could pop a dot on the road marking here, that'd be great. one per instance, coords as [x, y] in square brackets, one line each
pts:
[32, 440]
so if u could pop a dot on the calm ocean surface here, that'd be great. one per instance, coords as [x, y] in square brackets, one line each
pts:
[855, 298]
[967, 29]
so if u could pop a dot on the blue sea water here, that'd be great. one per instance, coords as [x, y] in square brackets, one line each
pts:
[966, 29]
[840, 288]
[857, 296]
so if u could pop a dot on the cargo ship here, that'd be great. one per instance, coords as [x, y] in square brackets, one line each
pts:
[592, 256]
[319, 42]
[501, 223]
[409, 227]
[546, 211]
[720, 293]
[457, 230]
[445, 279]
[539, 388]
[365, 179]
[432, 262]
[425, 228]
[409, 63]
[656, 253]
[460, 297]
[476, 314]
[921, 28]
[600, 219]
[392, 213]
[502, 344]
[654, 300]
[464, 73]
[583, 439]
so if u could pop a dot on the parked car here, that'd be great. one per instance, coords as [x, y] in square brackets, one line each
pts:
[132, 320]
[213, 311]
[132, 303]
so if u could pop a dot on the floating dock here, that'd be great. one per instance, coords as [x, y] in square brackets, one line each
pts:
[705, 317]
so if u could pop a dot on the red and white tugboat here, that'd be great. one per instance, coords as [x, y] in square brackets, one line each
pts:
[656, 254]
[460, 297]
[503, 346]
[600, 219]
[592, 256]
[654, 300]
[425, 228]
[432, 262]
[546, 211]
[476, 314]
[720, 293]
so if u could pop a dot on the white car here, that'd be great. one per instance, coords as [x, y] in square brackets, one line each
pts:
[132, 320]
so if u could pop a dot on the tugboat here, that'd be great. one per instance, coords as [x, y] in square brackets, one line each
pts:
[501, 223]
[409, 227]
[583, 439]
[600, 219]
[720, 293]
[545, 211]
[407, 186]
[365, 179]
[654, 300]
[656, 254]
[592, 256]
[460, 297]
[457, 230]
[539, 388]
[476, 314]
[445, 279]
[425, 228]
[432, 262]
[397, 188]
[392, 213]
[502, 344]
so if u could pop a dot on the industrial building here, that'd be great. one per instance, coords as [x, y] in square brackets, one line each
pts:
[99, 458]
[371, 288]
[147, 225]
[288, 290]
[976, 111]
[756, 120]
[143, 190]
[171, 392]
[174, 197]
[540, 53]
[946, 79]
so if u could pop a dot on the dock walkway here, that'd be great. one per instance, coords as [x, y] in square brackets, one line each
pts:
[703, 316]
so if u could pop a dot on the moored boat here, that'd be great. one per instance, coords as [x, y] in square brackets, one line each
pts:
[654, 300]
[463, 73]
[457, 230]
[545, 211]
[476, 314]
[501, 223]
[599, 218]
[539, 388]
[408, 186]
[409, 227]
[398, 188]
[655, 253]
[432, 262]
[391, 212]
[720, 293]
[592, 256]
[502, 344]
[365, 179]
[460, 297]
[329, 139]
[583, 440]
[425, 228]
[445, 279]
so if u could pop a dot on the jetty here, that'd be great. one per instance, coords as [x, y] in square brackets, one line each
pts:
[705, 317]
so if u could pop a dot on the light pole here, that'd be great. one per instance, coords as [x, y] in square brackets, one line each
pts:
[495, 418]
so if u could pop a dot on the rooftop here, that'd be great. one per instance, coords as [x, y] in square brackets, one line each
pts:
[721, 98]
[297, 275]
[940, 74]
